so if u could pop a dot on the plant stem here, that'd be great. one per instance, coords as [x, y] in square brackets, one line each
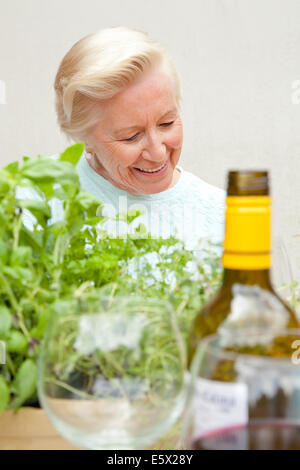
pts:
[56, 252]
[17, 228]
[80, 290]
[10, 364]
[15, 305]
[70, 388]
[9, 292]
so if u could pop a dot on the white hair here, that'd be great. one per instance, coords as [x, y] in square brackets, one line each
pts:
[99, 66]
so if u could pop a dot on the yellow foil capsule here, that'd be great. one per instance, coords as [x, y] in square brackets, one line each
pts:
[247, 240]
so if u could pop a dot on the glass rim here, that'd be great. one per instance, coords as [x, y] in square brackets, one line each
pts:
[206, 346]
[130, 297]
[115, 301]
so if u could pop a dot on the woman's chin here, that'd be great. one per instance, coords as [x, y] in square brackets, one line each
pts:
[154, 187]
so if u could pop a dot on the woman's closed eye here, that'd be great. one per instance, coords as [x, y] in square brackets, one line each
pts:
[166, 124]
[131, 139]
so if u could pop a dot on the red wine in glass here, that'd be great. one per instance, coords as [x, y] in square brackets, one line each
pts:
[257, 435]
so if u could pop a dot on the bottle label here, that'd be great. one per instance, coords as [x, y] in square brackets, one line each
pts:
[218, 405]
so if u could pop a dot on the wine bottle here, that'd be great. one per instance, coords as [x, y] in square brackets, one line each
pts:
[246, 297]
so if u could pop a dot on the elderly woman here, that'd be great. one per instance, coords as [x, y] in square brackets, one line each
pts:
[118, 92]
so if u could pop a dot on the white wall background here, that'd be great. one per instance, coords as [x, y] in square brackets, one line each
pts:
[238, 61]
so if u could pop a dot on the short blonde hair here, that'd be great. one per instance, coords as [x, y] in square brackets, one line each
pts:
[99, 66]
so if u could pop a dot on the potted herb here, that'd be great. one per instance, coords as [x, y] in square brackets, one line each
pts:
[55, 261]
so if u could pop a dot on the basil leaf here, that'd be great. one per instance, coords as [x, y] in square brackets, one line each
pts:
[33, 239]
[72, 154]
[16, 342]
[39, 209]
[4, 394]
[25, 381]
[3, 252]
[5, 320]
[47, 170]
[20, 256]
[18, 273]
[4, 186]
[12, 167]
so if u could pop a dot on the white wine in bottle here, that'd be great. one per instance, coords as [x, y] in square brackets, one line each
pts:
[246, 297]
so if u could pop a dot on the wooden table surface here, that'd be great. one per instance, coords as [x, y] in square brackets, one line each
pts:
[30, 429]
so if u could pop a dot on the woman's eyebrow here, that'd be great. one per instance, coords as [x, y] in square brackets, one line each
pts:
[173, 110]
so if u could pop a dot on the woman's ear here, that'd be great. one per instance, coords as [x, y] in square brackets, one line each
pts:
[88, 147]
[89, 150]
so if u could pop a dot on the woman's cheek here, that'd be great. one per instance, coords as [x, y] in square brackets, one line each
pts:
[129, 155]
[176, 138]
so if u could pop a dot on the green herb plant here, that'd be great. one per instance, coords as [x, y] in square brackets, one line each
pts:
[59, 261]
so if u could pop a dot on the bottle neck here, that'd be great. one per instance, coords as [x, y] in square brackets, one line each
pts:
[258, 277]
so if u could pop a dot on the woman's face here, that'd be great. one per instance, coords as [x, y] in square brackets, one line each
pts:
[138, 139]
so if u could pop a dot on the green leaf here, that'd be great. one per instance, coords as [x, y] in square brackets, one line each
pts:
[129, 216]
[39, 209]
[25, 381]
[25, 274]
[20, 256]
[3, 252]
[59, 193]
[38, 331]
[5, 320]
[89, 203]
[18, 273]
[12, 167]
[65, 191]
[4, 186]
[16, 342]
[87, 200]
[46, 170]
[72, 154]
[4, 394]
[33, 239]
[47, 189]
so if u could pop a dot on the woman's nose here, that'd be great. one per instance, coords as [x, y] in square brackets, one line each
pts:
[154, 150]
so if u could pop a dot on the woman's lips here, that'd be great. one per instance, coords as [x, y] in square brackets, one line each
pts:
[153, 173]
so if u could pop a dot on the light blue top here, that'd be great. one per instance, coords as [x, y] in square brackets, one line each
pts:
[191, 210]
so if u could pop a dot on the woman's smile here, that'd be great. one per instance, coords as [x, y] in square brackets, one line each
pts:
[153, 171]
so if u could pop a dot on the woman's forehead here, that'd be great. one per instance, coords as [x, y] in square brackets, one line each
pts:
[153, 84]
[156, 99]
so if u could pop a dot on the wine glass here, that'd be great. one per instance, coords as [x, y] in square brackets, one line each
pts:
[111, 371]
[244, 391]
